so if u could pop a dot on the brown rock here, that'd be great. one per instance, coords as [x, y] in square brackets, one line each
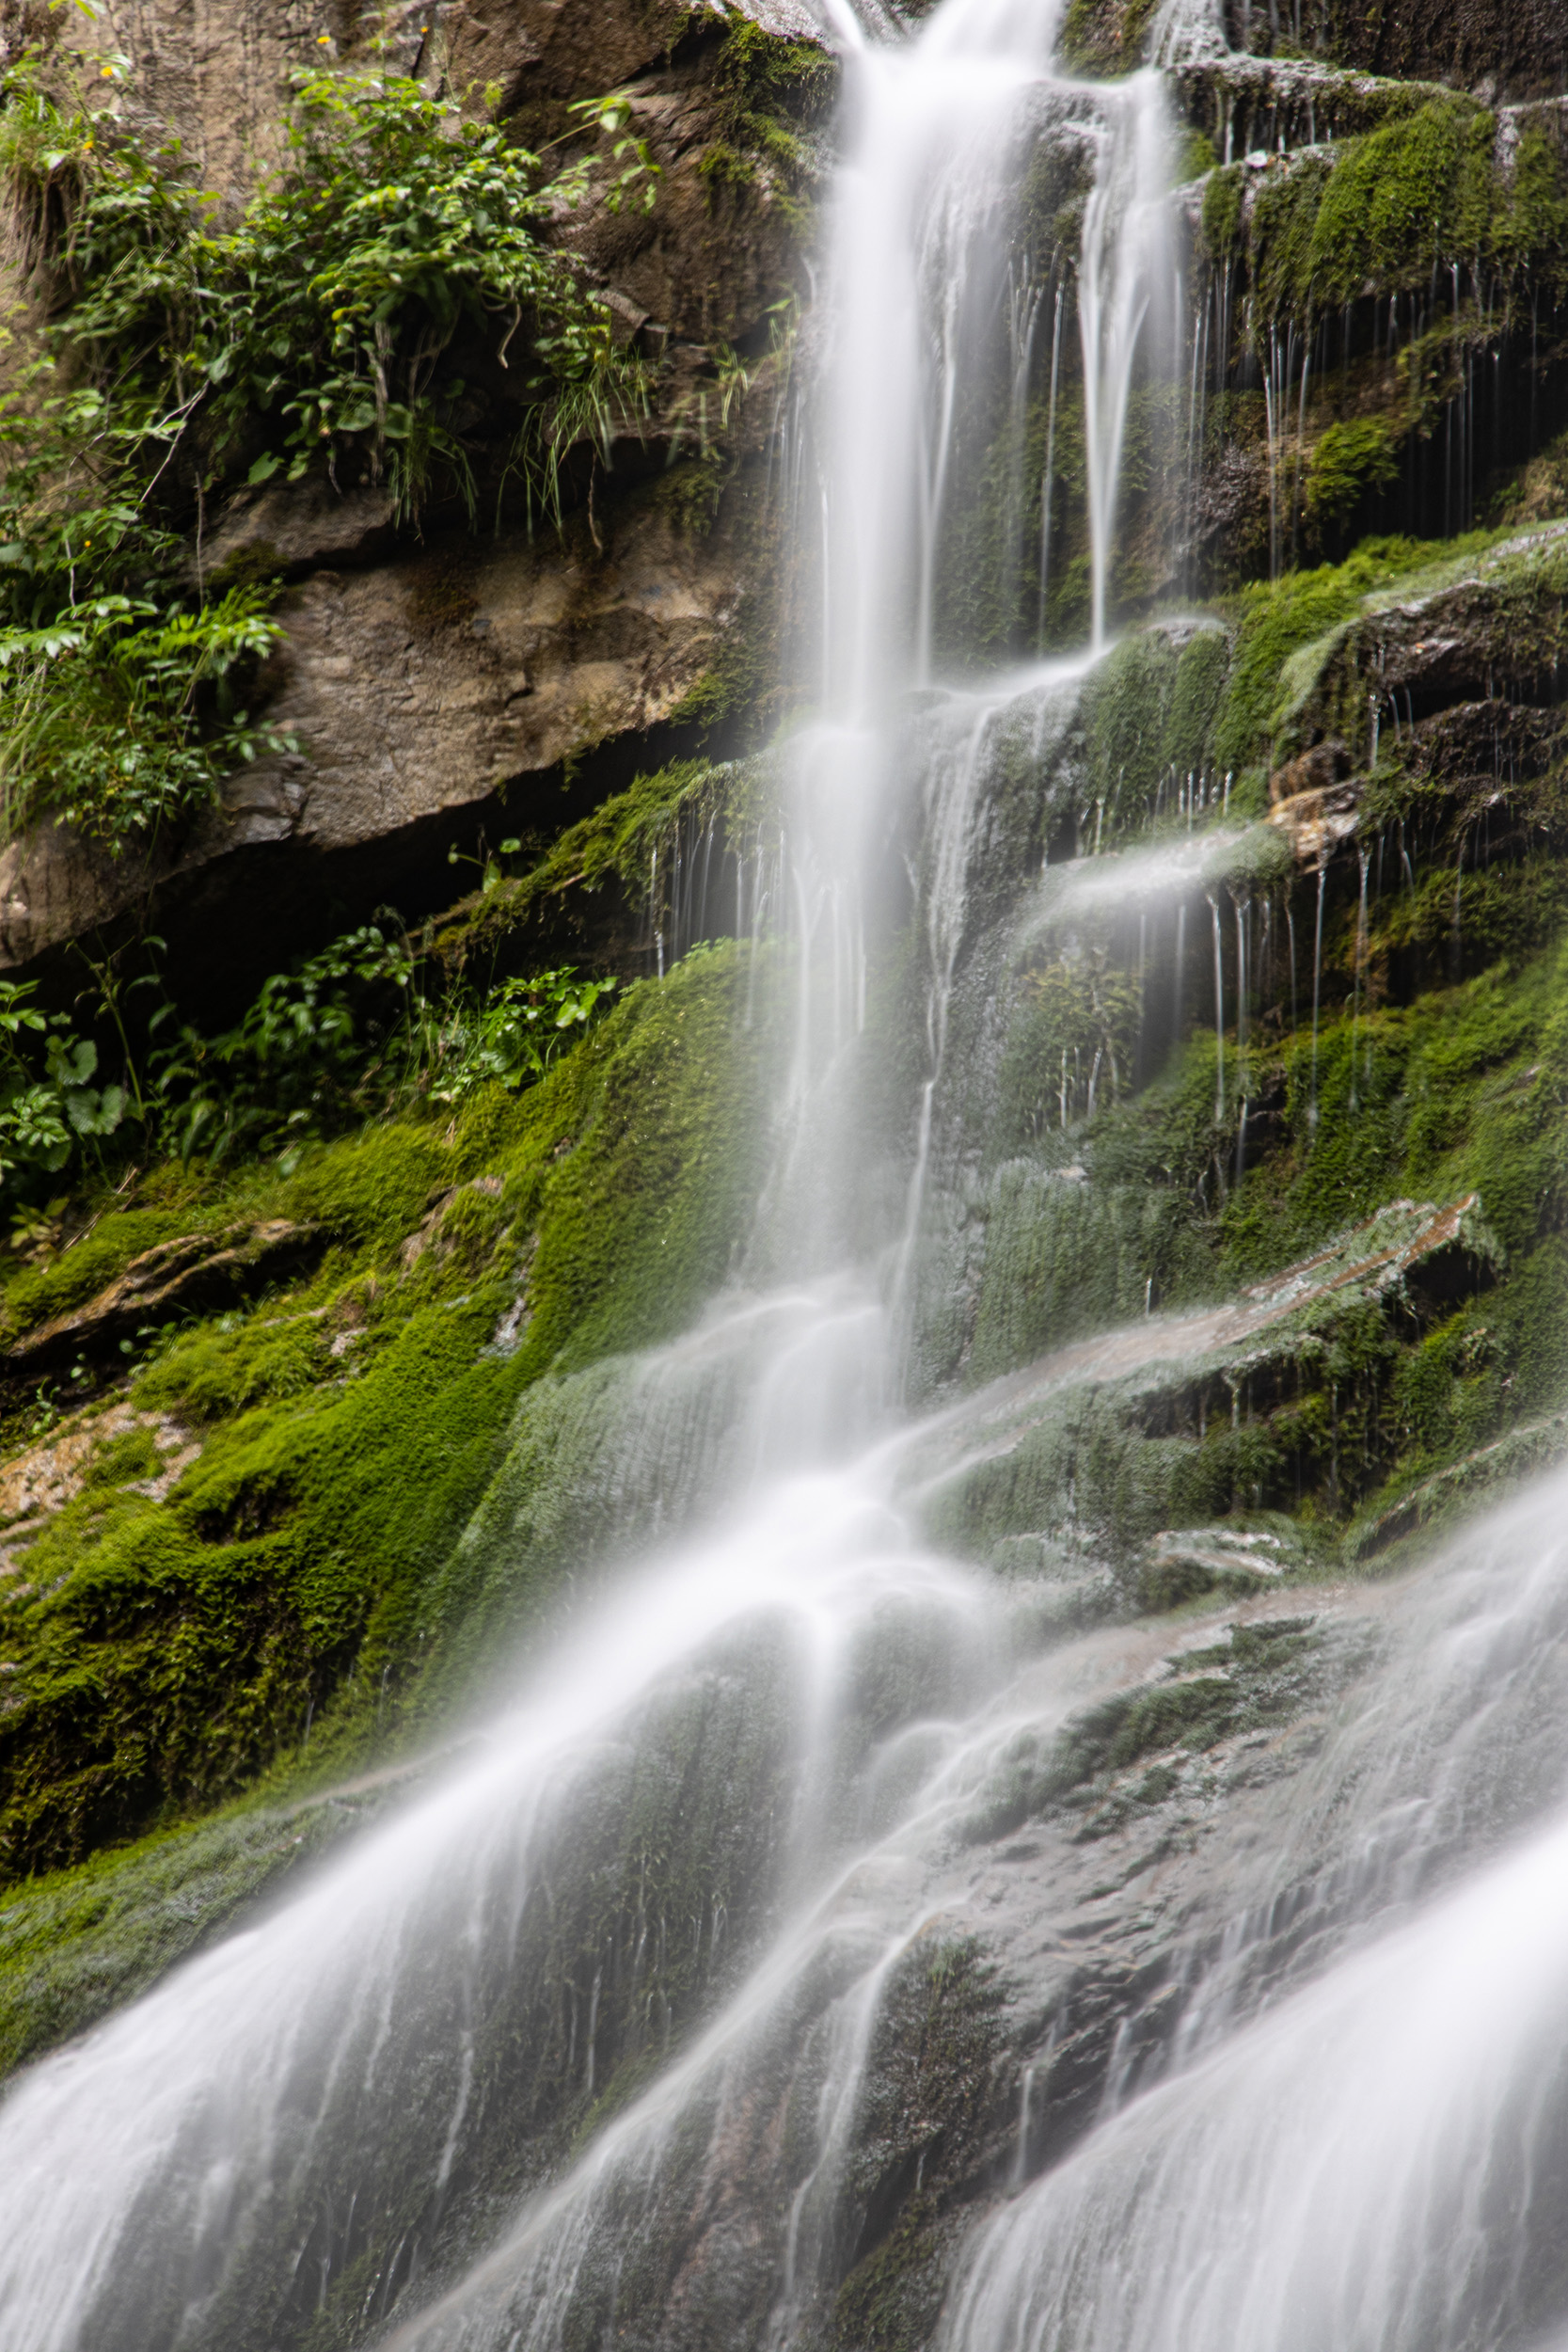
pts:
[422, 686]
[1317, 771]
[200, 1270]
[217, 70]
[422, 680]
[37, 1484]
[296, 529]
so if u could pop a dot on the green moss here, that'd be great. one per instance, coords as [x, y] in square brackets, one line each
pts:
[169, 1652]
[1258, 1676]
[637, 1229]
[771, 96]
[924, 2125]
[81, 1942]
[1063, 1258]
[617, 844]
[1399, 198]
[1147, 714]
[1296, 616]
[1197, 158]
[1419, 193]
[1222, 213]
[1349, 461]
[1455, 1093]
[37, 1294]
[759, 71]
[1105, 36]
[1529, 229]
[371, 1191]
[723, 166]
[1370, 1390]
[131, 1458]
[1381, 213]
[256, 565]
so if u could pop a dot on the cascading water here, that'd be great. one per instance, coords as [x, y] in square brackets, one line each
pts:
[576, 2049]
[1376, 2160]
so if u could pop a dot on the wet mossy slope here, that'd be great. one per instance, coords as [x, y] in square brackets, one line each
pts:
[1291, 1002]
[277, 1610]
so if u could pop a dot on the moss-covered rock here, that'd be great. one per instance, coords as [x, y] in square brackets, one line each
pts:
[164, 1649]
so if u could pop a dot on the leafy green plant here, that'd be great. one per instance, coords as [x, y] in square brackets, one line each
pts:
[491, 871]
[337, 326]
[395, 226]
[119, 715]
[44, 1113]
[304, 1048]
[351, 1033]
[514, 1034]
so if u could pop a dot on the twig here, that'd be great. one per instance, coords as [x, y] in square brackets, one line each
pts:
[129, 1178]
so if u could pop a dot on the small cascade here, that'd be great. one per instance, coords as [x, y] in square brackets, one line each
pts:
[1219, 1011]
[1124, 270]
[1317, 980]
[1047, 493]
[1317, 2182]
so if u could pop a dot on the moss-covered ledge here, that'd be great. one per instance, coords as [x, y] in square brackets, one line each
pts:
[166, 1646]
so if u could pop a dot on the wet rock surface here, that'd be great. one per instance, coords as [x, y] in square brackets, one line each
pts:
[1232, 1245]
[1512, 49]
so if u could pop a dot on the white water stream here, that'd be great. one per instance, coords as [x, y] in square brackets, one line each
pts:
[302, 2124]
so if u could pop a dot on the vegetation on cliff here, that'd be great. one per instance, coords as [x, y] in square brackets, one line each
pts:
[160, 1653]
[391, 307]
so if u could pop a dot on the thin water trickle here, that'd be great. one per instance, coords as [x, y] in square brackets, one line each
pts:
[1219, 1010]
[1317, 982]
[1047, 493]
[1124, 271]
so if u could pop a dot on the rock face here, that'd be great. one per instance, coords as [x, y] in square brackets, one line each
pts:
[429, 682]
[194, 1273]
[217, 70]
[426, 675]
[1501, 49]
[438, 689]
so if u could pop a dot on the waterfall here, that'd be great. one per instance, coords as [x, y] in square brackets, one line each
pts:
[577, 2047]
[1326, 2178]
[308, 2111]
[1374, 2161]
[1125, 266]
